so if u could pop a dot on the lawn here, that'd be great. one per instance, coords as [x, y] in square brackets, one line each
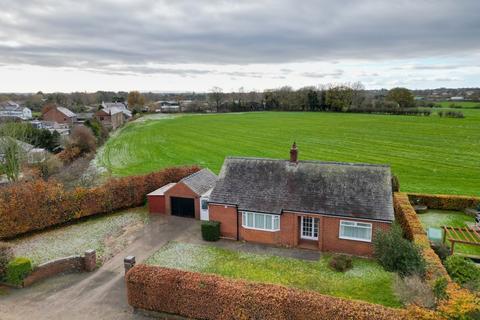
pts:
[438, 218]
[366, 281]
[429, 154]
[106, 234]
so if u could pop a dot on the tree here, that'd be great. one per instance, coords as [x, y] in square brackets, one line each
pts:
[402, 96]
[135, 100]
[83, 138]
[12, 155]
[339, 97]
[216, 96]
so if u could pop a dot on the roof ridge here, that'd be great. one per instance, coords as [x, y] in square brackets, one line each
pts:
[194, 174]
[358, 164]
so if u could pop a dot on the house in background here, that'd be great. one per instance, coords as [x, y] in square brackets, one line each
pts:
[327, 206]
[127, 114]
[31, 154]
[111, 118]
[12, 109]
[60, 115]
[186, 198]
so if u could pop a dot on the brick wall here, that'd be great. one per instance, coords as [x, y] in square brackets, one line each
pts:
[156, 204]
[227, 216]
[181, 190]
[56, 116]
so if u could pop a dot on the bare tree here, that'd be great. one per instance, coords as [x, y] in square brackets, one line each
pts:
[216, 97]
[12, 149]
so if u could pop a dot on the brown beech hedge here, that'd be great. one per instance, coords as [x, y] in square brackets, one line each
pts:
[34, 205]
[202, 296]
[445, 202]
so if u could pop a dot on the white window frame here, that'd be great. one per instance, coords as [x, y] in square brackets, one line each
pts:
[266, 216]
[357, 224]
[312, 231]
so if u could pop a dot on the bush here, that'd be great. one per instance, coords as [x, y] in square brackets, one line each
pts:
[341, 263]
[463, 271]
[18, 269]
[6, 254]
[442, 251]
[440, 288]
[451, 114]
[397, 254]
[446, 202]
[211, 230]
[413, 290]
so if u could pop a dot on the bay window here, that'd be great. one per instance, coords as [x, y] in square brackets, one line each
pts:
[261, 221]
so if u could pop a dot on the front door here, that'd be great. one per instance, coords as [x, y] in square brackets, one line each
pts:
[309, 228]
[203, 208]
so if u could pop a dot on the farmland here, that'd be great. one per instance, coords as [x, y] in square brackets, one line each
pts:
[428, 154]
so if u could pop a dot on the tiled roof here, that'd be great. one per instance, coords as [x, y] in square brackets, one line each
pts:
[66, 112]
[331, 188]
[201, 181]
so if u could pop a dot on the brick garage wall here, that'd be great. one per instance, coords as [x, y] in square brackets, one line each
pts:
[61, 266]
[181, 190]
[156, 204]
[330, 240]
[227, 216]
[202, 296]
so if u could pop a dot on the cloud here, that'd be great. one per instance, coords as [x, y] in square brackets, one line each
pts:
[103, 33]
[334, 74]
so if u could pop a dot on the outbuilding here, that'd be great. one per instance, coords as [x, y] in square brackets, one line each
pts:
[186, 198]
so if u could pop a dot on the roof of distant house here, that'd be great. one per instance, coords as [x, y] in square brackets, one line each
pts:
[66, 112]
[330, 188]
[201, 181]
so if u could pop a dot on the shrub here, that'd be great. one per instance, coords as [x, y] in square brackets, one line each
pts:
[440, 288]
[395, 184]
[446, 202]
[442, 250]
[341, 263]
[6, 254]
[451, 114]
[211, 230]
[413, 290]
[397, 254]
[18, 269]
[463, 271]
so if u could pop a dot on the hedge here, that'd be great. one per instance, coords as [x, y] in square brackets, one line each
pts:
[35, 205]
[6, 254]
[459, 302]
[203, 296]
[17, 270]
[211, 230]
[445, 202]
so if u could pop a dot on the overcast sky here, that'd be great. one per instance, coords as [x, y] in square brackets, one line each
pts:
[193, 45]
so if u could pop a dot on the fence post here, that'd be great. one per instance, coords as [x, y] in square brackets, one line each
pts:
[128, 263]
[90, 260]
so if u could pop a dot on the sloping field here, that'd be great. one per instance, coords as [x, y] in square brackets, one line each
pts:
[429, 154]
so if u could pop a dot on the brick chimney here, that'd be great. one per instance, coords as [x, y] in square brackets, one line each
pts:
[294, 153]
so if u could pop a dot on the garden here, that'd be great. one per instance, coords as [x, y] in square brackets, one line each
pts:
[365, 280]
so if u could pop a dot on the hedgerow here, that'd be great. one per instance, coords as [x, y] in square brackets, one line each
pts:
[445, 202]
[204, 296]
[34, 205]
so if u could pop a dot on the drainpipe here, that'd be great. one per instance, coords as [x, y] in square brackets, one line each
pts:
[238, 227]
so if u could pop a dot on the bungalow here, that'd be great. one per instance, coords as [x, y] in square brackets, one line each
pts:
[327, 206]
[186, 198]
[12, 109]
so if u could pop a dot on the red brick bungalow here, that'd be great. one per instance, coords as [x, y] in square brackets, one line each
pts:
[327, 206]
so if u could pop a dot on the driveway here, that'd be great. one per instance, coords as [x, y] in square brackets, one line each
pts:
[101, 294]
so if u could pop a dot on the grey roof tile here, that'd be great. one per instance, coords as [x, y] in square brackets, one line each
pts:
[201, 181]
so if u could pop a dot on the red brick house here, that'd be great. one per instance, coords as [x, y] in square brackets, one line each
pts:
[186, 198]
[327, 206]
[60, 115]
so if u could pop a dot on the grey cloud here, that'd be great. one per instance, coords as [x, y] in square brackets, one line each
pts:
[105, 32]
[335, 74]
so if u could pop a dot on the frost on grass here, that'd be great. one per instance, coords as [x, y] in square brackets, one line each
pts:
[75, 239]
[184, 256]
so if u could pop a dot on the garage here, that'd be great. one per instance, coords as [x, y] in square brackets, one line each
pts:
[183, 207]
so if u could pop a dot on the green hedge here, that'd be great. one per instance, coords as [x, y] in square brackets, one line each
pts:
[6, 254]
[18, 269]
[211, 230]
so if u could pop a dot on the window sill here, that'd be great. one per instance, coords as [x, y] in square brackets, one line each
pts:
[354, 239]
[257, 229]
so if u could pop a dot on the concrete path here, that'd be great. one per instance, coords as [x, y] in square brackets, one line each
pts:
[102, 294]
[97, 295]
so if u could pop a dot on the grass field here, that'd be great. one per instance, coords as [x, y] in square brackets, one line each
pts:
[429, 154]
[439, 218]
[365, 281]
[463, 104]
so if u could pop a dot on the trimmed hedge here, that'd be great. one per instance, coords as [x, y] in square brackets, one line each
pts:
[203, 296]
[211, 230]
[6, 254]
[17, 270]
[38, 204]
[445, 202]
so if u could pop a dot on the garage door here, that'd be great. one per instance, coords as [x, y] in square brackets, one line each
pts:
[183, 207]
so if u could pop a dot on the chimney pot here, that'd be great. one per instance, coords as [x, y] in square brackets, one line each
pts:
[294, 153]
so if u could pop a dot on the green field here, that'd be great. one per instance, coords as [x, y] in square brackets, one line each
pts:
[429, 154]
[463, 104]
[366, 281]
